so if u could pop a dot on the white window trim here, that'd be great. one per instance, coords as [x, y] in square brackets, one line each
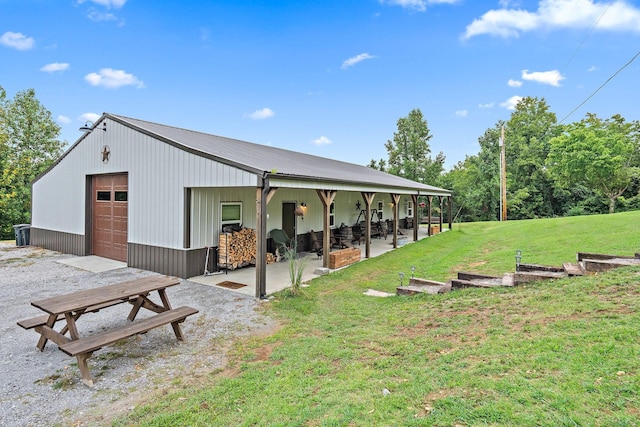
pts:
[230, 221]
[332, 214]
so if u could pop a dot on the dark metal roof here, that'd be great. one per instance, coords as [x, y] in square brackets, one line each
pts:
[279, 162]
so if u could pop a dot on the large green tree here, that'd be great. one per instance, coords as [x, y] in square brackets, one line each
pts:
[409, 152]
[599, 154]
[530, 192]
[28, 145]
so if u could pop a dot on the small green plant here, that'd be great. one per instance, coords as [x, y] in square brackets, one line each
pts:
[296, 268]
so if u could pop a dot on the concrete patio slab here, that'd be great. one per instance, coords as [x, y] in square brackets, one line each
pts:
[278, 273]
[94, 263]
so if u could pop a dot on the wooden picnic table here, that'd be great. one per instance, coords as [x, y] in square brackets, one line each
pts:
[68, 308]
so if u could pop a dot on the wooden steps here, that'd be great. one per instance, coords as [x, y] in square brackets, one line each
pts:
[475, 280]
[587, 262]
[521, 277]
[423, 286]
[572, 270]
[535, 268]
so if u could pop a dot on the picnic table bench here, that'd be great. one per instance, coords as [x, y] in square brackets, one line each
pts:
[69, 308]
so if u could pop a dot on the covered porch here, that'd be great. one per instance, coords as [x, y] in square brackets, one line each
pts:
[277, 274]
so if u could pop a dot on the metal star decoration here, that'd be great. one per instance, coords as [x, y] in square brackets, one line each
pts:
[106, 152]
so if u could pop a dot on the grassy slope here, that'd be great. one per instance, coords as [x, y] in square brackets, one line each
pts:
[554, 353]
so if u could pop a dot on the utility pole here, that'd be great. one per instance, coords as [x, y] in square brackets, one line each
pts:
[503, 179]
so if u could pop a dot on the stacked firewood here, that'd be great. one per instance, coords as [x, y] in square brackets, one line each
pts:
[237, 249]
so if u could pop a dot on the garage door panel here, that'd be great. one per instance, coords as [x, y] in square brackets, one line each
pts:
[110, 216]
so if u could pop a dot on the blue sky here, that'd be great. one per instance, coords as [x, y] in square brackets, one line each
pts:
[329, 78]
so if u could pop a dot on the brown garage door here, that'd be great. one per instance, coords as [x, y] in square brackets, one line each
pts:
[110, 195]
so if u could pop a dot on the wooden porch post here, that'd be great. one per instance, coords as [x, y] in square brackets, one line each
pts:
[449, 205]
[429, 201]
[263, 196]
[416, 220]
[368, 200]
[326, 197]
[441, 209]
[396, 200]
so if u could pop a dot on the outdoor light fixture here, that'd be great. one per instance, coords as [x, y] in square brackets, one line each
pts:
[88, 126]
[518, 258]
[300, 210]
[401, 275]
[413, 270]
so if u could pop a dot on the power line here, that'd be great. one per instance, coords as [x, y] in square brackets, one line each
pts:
[587, 36]
[601, 86]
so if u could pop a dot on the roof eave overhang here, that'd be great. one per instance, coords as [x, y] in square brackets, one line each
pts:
[290, 181]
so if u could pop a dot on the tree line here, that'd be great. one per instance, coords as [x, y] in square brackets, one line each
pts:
[585, 167]
[552, 169]
[28, 146]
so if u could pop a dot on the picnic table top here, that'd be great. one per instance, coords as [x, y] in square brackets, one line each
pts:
[81, 300]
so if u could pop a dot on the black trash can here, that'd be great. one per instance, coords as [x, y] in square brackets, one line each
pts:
[25, 231]
[20, 234]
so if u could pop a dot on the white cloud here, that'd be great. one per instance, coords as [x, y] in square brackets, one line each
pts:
[510, 104]
[63, 119]
[461, 113]
[487, 105]
[265, 113]
[17, 41]
[552, 77]
[55, 66]
[112, 79]
[89, 117]
[593, 68]
[355, 59]
[103, 13]
[419, 5]
[96, 16]
[323, 140]
[115, 4]
[557, 14]
[514, 83]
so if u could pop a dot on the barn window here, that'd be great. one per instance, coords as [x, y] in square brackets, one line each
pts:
[332, 214]
[121, 196]
[231, 213]
[103, 196]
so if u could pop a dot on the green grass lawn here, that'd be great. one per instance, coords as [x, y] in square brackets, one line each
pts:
[555, 353]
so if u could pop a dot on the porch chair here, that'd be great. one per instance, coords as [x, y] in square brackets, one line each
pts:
[316, 245]
[339, 242]
[358, 234]
[281, 241]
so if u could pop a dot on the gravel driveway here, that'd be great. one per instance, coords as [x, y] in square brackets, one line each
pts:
[44, 388]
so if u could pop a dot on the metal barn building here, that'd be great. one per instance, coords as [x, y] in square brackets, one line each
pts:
[156, 196]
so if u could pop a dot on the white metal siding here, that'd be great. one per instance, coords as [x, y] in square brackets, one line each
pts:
[58, 201]
[205, 208]
[158, 173]
[205, 212]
